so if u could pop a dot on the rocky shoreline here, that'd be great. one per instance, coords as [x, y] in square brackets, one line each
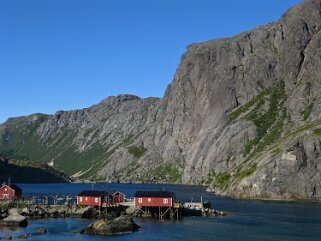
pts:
[120, 223]
[117, 221]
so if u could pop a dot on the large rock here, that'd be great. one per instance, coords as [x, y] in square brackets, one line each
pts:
[121, 225]
[14, 219]
[85, 212]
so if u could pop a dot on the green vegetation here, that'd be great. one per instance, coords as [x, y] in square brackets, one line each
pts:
[317, 131]
[30, 171]
[276, 151]
[137, 151]
[166, 172]
[241, 174]
[268, 121]
[221, 181]
[72, 161]
[244, 108]
[23, 142]
[267, 111]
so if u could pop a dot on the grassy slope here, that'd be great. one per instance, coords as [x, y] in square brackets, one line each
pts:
[26, 171]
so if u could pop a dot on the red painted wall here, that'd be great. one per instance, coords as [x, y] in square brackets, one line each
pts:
[118, 198]
[6, 192]
[89, 201]
[153, 202]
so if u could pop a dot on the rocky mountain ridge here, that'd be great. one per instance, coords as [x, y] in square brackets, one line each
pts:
[242, 115]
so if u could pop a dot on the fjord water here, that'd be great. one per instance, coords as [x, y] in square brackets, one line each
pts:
[248, 219]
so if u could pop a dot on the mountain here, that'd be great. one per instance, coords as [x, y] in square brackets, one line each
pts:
[26, 171]
[242, 115]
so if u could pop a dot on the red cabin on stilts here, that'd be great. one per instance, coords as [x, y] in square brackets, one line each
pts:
[154, 199]
[94, 198]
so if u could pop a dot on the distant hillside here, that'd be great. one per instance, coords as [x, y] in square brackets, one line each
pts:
[242, 115]
[26, 171]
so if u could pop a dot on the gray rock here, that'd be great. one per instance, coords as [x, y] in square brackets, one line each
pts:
[90, 213]
[41, 231]
[14, 219]
[24, 236]
[118, 226]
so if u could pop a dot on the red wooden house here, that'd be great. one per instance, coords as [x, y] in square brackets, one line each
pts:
[94, 198]
[118, 197]
[9, 191]
[154, 199]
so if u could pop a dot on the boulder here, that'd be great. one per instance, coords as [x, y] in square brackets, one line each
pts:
[131, 210]
[86, 212]
[24, 236]
[121, 225]
[41, 231]
[14, 219]
[13, 211]
[25, 211]
[91, 212]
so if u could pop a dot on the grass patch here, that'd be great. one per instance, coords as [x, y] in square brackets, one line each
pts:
[221, 181]
[269, 122]
[166, 172]
[245, 173]
[243, 109]
[317, 131]
[137, 151]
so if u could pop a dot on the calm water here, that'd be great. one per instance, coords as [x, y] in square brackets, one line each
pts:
[249, 220]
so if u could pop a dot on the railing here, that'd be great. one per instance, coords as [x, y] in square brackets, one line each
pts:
[41, 200]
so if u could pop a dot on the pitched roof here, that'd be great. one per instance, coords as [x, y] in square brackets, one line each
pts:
[118, 192]
[154, 194]
[92, 193]
[13, 186]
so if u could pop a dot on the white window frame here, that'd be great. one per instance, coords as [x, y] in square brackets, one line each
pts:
[96, 199]
[80, 199]
[165, 200]
[86, 198]
[140, 200]
[149, 200]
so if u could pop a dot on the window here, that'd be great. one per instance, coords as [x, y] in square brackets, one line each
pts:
[149, 200]
[140, 200]
[165, 200]
[5, 189]
[80, 199]
[86, 198]
[96, 200]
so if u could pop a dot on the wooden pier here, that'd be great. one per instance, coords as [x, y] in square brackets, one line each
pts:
[173, 212]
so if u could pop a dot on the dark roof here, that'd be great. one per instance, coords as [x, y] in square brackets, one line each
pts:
[14, 187]
[92, 193]
[154, 194]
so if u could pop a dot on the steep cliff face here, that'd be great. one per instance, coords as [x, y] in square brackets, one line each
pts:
[242, 115]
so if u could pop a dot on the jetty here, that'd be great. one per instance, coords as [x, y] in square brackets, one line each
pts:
[103, 204]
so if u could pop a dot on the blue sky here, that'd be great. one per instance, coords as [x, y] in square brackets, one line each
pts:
[71, 54]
